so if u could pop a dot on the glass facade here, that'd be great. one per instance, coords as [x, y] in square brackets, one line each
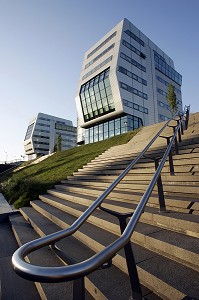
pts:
[29, 132]
[132, 75]
[130, 89]
[167, 84]
[96, 97]
[135, 37]
[132, 48]
[135, 106]
[111, 128]
[163, 67]
[132, 61]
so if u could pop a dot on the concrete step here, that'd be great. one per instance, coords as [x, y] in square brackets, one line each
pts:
[127, 158]
[187, 223]
[145, 234]
[185, 177]
[24, 233]
[177, 203]
[12, 286]
[122, 164]
[138, 169]
[170, 187]
[78, 251]
[145, 259]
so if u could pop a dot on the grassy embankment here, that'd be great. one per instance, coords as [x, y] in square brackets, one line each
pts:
[26, 184]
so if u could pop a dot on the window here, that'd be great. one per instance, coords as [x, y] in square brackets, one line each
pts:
[133, 62]
[97, 67]
[167, 84]
[132, 90]
[102, 44]
[29, 131]
[132, 75]
[99, 56]
[111, 128]
[96, 96]
[133, 36]
[163, 67]
[135, 106]
[132, 48]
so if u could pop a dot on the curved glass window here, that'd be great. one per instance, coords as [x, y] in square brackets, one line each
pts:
[96, 97]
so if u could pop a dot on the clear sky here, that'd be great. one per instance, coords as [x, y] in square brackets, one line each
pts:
[42, 43]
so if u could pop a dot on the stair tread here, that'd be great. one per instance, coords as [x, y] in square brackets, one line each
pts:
[20, 287]
[82, 252]
[44, 257]
[174, 215]
[144, 259]
[175, 238]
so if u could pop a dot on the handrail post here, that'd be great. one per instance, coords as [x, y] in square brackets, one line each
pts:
[171, 166]
[160, 188]
[176, 142]
[78, 289]
[179, 133]
[131, 265]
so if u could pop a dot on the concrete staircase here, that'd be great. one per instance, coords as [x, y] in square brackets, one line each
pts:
[165, 245]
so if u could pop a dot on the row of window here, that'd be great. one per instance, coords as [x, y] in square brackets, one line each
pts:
[44, 119]
[132, 90]
[29, 131]
[41, 124]
[99, 56]
[167, 70]
[72, 136]
[132, 75]
[111, 128]
[132, 48]
[41, 136]
[166, 106]
[41, 149]
[42, 143]
[68, 141]
[161, 92]
[102, 44]
[165, 94]
[132, 61]
[133, 36]
[97, 67]
[167, 84]
[42, 130]
[162, 117]
[135, 106]
[65, 127]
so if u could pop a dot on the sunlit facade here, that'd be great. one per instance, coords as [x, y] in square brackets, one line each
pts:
[42, 132]
[123, 85]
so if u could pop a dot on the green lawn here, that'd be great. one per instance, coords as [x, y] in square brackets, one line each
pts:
[26, 184]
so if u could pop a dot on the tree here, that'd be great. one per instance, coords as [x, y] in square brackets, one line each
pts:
[59, 143]
[171, 99]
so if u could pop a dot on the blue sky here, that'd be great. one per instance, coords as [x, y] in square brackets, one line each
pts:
[42, 43]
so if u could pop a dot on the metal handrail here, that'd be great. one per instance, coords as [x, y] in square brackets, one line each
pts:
[78, 270]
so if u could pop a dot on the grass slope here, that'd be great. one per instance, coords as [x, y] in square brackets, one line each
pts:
[26, 184]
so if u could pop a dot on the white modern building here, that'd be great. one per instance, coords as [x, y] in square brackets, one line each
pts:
[42, 133]
[123, 84]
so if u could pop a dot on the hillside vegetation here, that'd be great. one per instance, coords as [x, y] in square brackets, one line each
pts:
[26, 184]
